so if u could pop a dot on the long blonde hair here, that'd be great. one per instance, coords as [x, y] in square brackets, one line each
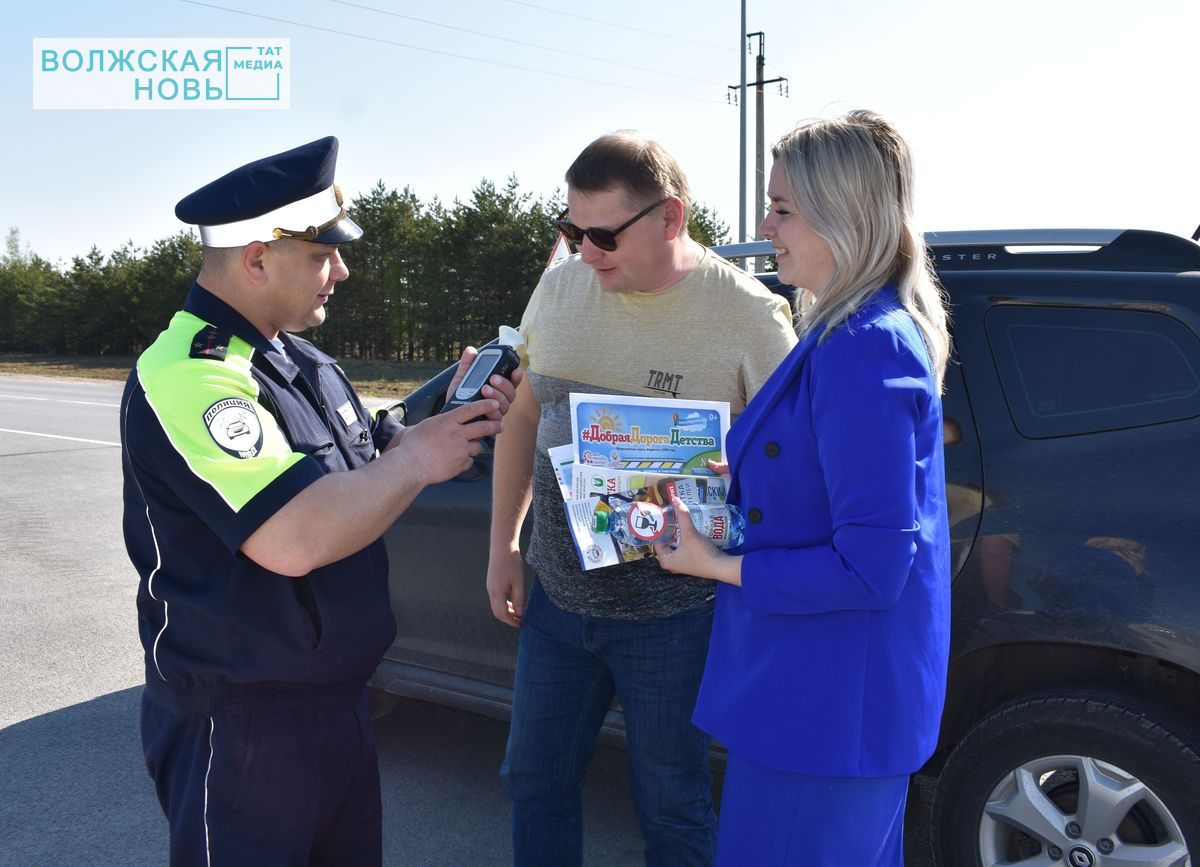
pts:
[850, 178]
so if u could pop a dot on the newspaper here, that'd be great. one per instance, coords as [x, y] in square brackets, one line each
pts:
[632, 448]
[658, 435]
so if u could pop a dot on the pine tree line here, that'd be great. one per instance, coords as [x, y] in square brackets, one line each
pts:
[425, 280]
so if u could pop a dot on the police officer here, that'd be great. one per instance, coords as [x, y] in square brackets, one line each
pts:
[257, 488]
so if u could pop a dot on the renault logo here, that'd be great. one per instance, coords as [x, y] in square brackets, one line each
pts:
[1081, 857]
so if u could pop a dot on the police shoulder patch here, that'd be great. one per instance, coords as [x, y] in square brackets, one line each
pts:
[211, 342]
[234, 426]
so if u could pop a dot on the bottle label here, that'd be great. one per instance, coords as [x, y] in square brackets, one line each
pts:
[712, 520]
[716, 526]
[646, 521]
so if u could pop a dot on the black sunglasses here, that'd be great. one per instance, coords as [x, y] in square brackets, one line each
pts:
[605, 239]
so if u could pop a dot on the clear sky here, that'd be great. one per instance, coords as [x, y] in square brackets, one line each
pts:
[1021, 114]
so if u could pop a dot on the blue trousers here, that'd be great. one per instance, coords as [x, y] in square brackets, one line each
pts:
[568, 669]
[289, 787]
[773, 818]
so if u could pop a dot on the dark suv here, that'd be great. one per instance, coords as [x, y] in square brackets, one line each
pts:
[1072, 409]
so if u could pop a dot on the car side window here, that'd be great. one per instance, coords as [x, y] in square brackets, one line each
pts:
[1068, 370]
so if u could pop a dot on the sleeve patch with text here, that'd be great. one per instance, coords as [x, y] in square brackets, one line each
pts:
[234, 426]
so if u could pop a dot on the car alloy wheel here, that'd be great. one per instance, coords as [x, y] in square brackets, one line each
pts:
[1079, 810]
[1079, 779]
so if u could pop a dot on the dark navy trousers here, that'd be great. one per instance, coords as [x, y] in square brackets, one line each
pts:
[280, 787]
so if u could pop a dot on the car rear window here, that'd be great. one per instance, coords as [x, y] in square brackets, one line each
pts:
[1071, 370]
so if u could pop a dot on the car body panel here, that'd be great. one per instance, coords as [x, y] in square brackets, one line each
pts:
[1076, 556]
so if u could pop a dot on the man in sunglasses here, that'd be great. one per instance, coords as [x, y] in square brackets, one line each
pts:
[641, 309]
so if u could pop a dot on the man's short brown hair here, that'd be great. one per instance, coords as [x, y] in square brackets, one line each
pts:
[630, 162]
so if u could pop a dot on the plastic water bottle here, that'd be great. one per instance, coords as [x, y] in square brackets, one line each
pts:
[643, 523]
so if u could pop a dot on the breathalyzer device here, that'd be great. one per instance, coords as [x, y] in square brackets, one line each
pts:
[493, 359]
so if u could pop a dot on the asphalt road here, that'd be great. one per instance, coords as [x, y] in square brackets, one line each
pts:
[73, 790]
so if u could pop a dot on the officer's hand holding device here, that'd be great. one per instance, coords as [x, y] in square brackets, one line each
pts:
[495, 358]
[491, 360]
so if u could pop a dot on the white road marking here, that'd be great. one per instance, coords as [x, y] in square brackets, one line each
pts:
[58, 400]
[55, 437]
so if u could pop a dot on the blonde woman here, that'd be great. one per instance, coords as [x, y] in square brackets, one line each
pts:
[827, 666]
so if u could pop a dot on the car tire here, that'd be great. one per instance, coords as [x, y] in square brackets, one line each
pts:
[1079, 778]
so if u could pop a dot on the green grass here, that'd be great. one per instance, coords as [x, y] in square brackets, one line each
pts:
[371, 378]
[95, 367]
[390, 378]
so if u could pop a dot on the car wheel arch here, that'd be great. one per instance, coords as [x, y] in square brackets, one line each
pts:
[981, 680]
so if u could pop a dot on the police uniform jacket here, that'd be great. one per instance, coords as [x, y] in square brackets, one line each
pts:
[830, 659]
[219, 430]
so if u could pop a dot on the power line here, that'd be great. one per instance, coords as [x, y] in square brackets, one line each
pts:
[573, 54]
[578, 17]
[773, 68]
[445, 53]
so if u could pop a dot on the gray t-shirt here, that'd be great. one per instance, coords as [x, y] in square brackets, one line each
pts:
[717, 334]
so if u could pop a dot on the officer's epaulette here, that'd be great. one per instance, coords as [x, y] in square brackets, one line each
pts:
[211, 342]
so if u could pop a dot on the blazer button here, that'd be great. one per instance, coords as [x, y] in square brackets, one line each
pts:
[754, 515]
[772, 450]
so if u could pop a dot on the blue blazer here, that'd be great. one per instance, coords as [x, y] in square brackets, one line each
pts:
[830, 659]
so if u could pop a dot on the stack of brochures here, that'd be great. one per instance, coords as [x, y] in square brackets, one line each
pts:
[635, 448]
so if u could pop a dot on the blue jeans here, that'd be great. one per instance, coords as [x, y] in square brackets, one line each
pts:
[568, 669]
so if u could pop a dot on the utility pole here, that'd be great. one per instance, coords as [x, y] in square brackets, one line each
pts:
[742, 135]
[760, 187]
[759, 157]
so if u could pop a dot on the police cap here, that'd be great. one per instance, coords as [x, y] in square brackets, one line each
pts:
[288, 195]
